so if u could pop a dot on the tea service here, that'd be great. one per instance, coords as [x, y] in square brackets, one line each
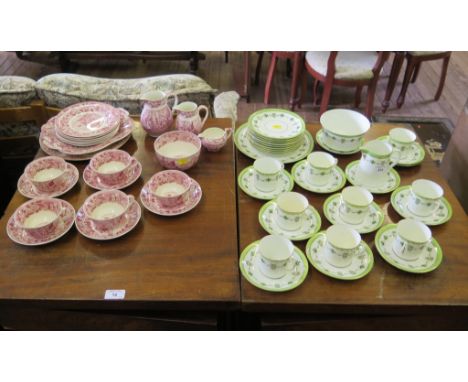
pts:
[319, 173]
[107, 215]
[281, 217]
[273, 264]
[177, 150]
[214, 138]
[409, 246]
[355, 208]
[266, 179]
[423, 200]
[40, 221]
[188, 117]
[339, 252]
[156, 116]
[47, 177]
[112, 169]
[404, 141]
[374, 170]
[170, 193]
[342, 131]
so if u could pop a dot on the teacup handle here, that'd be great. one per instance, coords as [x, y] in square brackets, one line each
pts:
[229, 132]
[394, 158]
[207, 113]
[176, 102]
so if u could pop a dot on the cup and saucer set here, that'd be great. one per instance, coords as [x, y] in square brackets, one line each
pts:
[404, 140]
[374, 170]
[107, 215]
[355, 208]
[266, 179]
[170, 193]
[291, 216]
[340, 253]
[423, 200]
[319, 173]
[409, 246]
[112, 170]
[47, 177]
[273, 264]
[40, 221]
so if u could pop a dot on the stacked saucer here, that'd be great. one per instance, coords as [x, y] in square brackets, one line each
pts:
[112, 170]
[40, 221]
[276, 133]
[47, 177]
[81, 130]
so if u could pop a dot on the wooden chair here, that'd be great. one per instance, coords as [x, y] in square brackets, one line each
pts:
[351, 69]
[414, 61]
[296, 59]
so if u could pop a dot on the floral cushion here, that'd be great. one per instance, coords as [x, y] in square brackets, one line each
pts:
[19, 129]
[63, 89]
[16, 91]
[348, 65]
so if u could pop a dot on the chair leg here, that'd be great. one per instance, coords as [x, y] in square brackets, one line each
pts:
[271, 72]
[303, 87]
[316, 99]
[415, 73]
[325, 98]
[394, 73]
[409, 71]
[258, 68]
[357, 96]
[443, 75]
[296, 74]
[226, 56]
[288, 68]
[370, 98]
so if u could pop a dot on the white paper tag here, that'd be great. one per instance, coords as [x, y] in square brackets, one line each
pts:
[114, 294]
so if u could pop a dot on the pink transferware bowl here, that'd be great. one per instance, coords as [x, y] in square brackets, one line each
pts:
[177, 150]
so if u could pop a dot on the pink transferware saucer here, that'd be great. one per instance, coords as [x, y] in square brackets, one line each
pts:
[93, 181]
[27, 189]
[86, 227]
[151, 203]
[20, 236]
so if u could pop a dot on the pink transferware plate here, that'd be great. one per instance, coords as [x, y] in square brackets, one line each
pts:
[91, 178]
[49, 138]
[27, 189]
[78, 158]
[86, 227]
[20, 236]
[151, 203]
[87, 120]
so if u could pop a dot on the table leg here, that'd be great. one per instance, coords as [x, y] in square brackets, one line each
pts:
[394, 73]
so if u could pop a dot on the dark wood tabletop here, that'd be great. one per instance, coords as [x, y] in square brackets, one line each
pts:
[182, 262]
[385, 289]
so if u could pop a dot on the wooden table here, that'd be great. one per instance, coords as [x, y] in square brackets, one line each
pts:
[167, 265]
[386, 298]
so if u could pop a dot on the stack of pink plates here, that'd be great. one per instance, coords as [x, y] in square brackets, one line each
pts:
[84, 129]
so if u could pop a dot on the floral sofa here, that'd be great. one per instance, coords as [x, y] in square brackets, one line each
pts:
[63, 89]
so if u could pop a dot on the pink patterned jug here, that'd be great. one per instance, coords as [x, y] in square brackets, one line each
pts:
[156, 117]
[188, 117]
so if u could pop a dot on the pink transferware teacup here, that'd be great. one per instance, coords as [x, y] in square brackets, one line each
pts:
[47, 174]
[107, 209]
[39, 217]
[214, 138]
[170, 188]
[113, 166]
